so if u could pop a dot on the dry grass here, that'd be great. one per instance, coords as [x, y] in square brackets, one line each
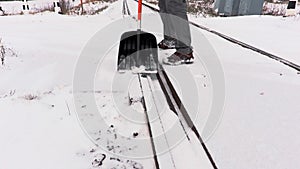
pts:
[94, 10]
[31, 97]
[5, 51]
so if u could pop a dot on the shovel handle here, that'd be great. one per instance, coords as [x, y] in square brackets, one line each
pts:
[140, 10]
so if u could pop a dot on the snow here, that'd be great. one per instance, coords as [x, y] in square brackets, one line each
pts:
[34, 134]
[277, 35]
[259, 125]
[16, 7]
[39, 126]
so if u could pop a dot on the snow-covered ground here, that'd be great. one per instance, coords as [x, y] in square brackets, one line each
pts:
[260, 122]
[277, 35]
[16, 7]
[39, 127]
[44, 132]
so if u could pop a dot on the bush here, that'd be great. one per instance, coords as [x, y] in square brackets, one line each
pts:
[196, 7]
[274, 9]
[201, 7]
[65, 6]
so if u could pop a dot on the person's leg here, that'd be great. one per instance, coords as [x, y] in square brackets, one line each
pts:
[176, 13]
[169, 33]
[178, 9]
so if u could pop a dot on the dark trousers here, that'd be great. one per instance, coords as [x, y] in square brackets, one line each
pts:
[175, 23]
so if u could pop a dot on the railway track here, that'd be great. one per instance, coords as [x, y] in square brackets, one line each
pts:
[173, 99]
[175, 104]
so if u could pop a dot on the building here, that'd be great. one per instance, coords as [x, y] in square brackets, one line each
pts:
[238, 7]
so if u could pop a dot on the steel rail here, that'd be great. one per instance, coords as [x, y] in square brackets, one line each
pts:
[148, 125]
[178, 108]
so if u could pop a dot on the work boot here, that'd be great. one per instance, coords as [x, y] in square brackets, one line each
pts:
[179, 58]
[167, 44]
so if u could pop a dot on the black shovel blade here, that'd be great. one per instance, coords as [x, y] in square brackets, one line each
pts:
[138, 48]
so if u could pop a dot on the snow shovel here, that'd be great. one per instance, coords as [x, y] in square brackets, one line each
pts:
[138, 49]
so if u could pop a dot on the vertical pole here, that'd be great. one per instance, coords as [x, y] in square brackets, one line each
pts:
[140, 15]
[138, 62]
[81, 3]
